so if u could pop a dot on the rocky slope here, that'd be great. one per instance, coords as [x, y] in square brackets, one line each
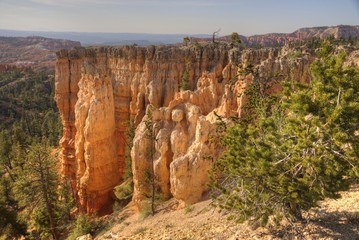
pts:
[333, 219]
[37, 52]
[98, 90]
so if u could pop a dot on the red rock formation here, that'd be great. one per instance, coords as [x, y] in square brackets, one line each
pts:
[99, 89]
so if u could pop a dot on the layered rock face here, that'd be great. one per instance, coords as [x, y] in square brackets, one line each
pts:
[98, 90]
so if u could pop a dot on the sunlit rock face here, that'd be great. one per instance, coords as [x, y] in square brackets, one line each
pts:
[98, 90]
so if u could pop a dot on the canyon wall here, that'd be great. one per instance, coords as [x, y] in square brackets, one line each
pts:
[98, 90]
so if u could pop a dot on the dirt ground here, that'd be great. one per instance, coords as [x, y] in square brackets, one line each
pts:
[335, 219]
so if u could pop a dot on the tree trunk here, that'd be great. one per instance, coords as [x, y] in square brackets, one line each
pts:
[45, 193]
[295, 211]
[152, 138]
[7, 169]
[51, 219]
[153, 178]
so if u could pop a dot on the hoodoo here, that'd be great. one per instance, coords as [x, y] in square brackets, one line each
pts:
[98, 90]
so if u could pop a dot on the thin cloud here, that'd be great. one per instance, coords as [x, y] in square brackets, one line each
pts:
[63, 3]
[71, 3]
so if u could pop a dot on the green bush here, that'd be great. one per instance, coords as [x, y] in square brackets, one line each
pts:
[83, 225]
[294, 54]
[140, 230]
[188, 209]
[145, 208]
[124, 191]
[185, 85]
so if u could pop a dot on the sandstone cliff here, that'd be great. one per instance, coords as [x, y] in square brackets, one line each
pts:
[99, 89]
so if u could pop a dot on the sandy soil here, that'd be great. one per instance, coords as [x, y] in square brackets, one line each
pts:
[335, 219]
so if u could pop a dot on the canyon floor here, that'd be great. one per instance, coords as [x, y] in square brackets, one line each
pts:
[335, 219]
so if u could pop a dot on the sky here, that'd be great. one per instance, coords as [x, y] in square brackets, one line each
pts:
[247, 17]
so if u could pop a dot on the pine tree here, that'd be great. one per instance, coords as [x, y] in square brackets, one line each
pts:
[186, 40]
[298, 150]
[151, 136]
[37, 186]
[185, 79]
[130, 134]
[11, 227]
[125, 189]
[5, 157]
[235, 40]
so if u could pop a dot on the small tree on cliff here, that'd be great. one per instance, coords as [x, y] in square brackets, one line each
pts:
[186, 40]
[185, 78]
[235, 40]
[214, 34]
[125, 190]
[300, 151]
[151, 136]
[130, 134]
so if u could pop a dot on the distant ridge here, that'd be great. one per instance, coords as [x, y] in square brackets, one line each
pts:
[94, 38]
[37, 52]
[144, 39]
[274, 39]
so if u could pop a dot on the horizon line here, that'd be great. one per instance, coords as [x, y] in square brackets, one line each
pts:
[185, 34]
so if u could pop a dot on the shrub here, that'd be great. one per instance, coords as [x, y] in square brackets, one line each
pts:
[140, 230]
[124, 191]
[188, 209]
[185, 79]
[235, 40]
[84, 224]
[145, 208]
